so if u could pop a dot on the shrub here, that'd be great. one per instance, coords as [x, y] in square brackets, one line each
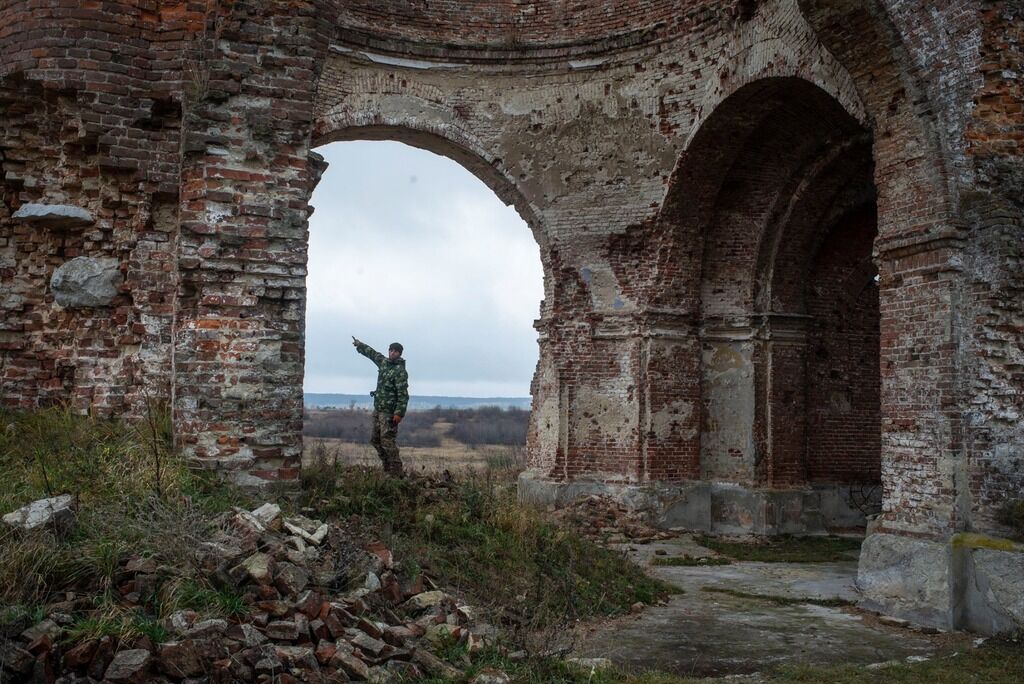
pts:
[490, 425]
[355, 425]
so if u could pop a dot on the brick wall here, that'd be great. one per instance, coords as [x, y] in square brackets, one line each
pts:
[91, 119]
[843, 405]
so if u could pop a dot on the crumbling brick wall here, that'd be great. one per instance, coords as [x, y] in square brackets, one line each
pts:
[843, 385]
[90, 119]
[677, 225]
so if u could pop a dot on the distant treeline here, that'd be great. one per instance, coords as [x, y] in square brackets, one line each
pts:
[472, 427]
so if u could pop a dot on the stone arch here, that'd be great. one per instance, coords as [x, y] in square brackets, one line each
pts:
[777, 44]
[455, 143]
[427, 123]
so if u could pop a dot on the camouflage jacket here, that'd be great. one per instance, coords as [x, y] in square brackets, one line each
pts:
[392, 393]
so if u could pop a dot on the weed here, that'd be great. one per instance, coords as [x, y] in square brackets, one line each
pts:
[779, 600]
[786, 549]
[31, 613]
[110, 618]
[203, 598]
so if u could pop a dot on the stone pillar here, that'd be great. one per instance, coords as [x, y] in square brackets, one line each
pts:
[908, 564]
[781, 390]
[728, 449]
[616, 408]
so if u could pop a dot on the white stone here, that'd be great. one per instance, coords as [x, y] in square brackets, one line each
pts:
[43, 512]
[267, 513]
[907, 578]
[590, 663]
[427, 599]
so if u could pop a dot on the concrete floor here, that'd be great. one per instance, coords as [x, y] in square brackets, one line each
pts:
[700, 633]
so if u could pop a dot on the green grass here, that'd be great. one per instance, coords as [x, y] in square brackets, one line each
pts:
[134, 496]
[126, 626]
[473, 536]
[995, 662]
[786, 549]
[203, 598]
[689, 561]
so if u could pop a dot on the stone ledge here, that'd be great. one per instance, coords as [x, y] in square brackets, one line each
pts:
[54, 215]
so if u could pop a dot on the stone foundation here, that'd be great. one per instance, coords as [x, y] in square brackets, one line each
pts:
[718, 508]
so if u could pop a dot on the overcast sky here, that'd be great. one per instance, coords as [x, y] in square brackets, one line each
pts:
[408, 246]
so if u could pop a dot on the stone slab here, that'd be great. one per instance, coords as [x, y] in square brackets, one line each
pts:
[907, 578]
[708, 633]
[54, 215]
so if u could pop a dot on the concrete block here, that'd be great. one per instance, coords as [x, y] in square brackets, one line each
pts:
[908, 578]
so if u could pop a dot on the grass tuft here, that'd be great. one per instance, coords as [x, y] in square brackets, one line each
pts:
[689, 561]
[994, 662]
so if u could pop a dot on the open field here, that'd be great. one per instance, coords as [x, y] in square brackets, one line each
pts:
[451, 456]
[457, 440]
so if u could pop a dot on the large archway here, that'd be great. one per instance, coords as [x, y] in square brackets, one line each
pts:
[408, 244]
[789, 314]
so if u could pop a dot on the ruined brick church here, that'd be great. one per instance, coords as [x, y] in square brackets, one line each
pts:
[781, 242]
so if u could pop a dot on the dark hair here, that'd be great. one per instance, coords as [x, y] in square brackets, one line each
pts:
[397, 347]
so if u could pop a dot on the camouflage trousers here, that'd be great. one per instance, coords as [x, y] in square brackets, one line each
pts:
[385, 434]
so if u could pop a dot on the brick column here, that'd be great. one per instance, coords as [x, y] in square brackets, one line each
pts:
[246, 180]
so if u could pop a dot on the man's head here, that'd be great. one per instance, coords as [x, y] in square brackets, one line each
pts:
[395, 351]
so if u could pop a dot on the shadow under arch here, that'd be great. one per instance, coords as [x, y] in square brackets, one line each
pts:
[775, 172]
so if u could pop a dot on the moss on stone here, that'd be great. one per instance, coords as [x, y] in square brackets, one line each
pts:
[968, 540]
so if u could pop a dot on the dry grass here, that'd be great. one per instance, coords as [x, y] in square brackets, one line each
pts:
[455, 457]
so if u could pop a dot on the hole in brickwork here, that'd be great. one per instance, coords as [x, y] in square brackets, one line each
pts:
[407, 245]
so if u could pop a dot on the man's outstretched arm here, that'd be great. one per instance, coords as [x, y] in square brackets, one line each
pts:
[368, 351]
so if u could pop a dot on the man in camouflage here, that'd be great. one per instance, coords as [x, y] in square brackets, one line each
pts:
[390, 400]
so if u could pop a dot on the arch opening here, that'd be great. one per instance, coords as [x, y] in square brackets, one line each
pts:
[409, 242]
[789, 313]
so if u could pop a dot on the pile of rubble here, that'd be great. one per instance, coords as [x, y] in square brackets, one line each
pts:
[605, 520]
[319, 607]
